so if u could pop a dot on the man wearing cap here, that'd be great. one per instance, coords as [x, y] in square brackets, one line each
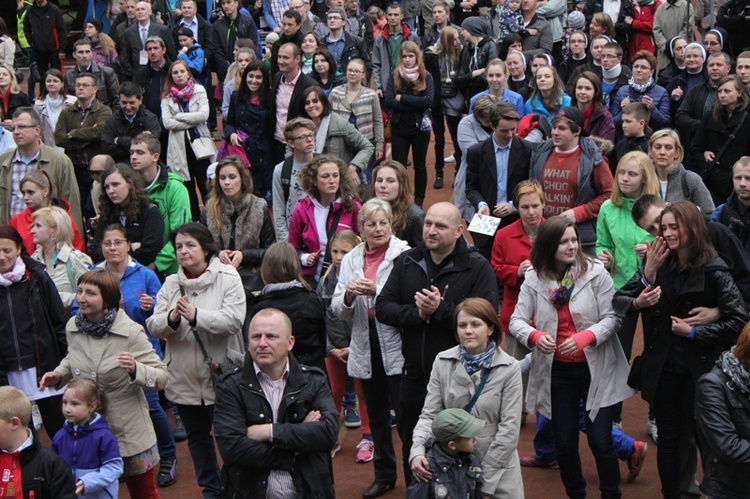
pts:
[274, 420]
[574, 174]
[456, 472]
[494, 168]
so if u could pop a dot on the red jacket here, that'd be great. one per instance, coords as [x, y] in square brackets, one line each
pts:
[641, 35]
[511, 247]
[22, 223]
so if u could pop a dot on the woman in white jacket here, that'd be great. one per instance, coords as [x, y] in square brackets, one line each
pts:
[565, 315]
[375, 349]
[479, 377]
[184, 111]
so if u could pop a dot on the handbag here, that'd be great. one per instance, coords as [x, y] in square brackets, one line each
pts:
[203, 147]
[387, 128]
[233, 361]
[448, 89]
[426, 123]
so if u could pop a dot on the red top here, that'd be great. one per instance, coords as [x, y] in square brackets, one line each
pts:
[566, 328]
[22, 223]
[11, 485]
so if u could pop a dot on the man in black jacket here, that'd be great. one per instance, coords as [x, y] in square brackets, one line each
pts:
[45, 31]
[151, 79]
[344, 46]
[227, 30]
[130, 120]
[134, 54]
[106, 80]
[203, 32]
[275, 421]
[495, 167]
[424, 287]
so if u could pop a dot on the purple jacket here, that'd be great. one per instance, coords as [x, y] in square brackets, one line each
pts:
[601, 124]
[303, 233]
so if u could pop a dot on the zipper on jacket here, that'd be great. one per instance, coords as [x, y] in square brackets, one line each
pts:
[15, 332]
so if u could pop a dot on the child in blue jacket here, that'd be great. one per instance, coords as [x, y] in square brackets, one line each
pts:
[86, 442]
[193, 55]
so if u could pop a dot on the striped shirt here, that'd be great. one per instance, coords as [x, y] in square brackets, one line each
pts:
[280, 484]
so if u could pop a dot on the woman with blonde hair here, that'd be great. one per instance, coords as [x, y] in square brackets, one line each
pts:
[391, 183]
[443, 61]
[409, 96]
[184, 112]
[102, 45]
[53, 235]
[329, 207]
[360, 106]
[11, 96]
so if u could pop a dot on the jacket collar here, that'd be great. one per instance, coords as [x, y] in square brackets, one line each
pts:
[499, 359]
[460, 254]
[294, 383]
[405, 31]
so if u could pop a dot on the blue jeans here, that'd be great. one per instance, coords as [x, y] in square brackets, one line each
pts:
[569, 389]
[164, 438]
[198, 421]
[350, 398]
[544, 440]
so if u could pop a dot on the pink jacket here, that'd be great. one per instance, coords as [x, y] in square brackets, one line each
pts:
[303, 234]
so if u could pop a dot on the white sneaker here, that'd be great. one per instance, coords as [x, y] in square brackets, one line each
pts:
[652, 430]
[36, 416]
[449, 159]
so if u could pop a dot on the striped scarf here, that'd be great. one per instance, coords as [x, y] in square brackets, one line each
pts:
[474, 363]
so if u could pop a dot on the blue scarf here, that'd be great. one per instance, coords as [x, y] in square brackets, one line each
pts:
[474, 363]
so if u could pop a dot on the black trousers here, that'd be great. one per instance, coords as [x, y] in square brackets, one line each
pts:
[412, 397]
[418, 142]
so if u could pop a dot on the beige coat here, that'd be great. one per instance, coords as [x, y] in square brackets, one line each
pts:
[96, 359]
[66, 270]
[180, 123]
[499, 405]
[219, 297]
[591, 308]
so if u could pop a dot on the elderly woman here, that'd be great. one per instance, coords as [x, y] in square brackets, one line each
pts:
[52, 230]
[722, 403]
[109, 348]
[642, 87]
[199, 312]
[565, 315]
[478, 376]
[375, 349]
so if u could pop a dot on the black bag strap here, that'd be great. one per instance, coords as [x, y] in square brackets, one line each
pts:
[331, 231]
[206, 357]
[482, 382]
[286, 177]
[727, 143]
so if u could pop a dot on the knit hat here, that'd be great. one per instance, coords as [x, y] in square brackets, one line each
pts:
[451, 424]
[272, 37]
[477, 26]
[576, 116]
[576, 20]
[96, 23]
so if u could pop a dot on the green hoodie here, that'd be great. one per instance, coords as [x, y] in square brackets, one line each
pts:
[171, 196]
[617, 233]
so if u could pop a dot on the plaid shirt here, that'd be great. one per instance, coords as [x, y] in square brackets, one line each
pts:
[19, 170]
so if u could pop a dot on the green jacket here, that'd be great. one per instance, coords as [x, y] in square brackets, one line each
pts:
[20, 17]
[60, 170]
[171, 196]
[617, 233]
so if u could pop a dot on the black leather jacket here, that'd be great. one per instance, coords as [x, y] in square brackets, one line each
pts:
[303, 449]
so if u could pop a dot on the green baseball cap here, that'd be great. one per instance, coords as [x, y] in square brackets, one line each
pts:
[451, 424]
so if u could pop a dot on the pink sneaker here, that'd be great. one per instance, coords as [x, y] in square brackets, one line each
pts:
[365, 449]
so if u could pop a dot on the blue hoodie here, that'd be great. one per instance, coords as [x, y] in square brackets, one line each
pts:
[92, 454]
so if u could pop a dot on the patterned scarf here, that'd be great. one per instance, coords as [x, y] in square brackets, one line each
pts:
[738, 372]
[97, 329]
[412, 74]
[15, 275]
[561, 295]
[474, 363]
[641, 88]
[184, 94]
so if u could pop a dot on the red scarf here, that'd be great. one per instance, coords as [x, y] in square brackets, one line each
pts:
[5, 98]
[587, 116]
[184, 94]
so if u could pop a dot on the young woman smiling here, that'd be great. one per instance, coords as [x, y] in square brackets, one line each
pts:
[391, 183]
[587, 96]
[548, 95]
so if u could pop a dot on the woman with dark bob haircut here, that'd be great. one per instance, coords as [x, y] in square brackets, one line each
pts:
[682, 271]
[476, 365]
[565, 316]
[587, 96]
[722, 403]
[203, 303]
[108, 347]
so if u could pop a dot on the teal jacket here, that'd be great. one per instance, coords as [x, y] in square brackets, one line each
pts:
[171, 196]
[617, 233]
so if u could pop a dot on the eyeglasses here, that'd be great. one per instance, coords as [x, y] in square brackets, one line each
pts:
[306, 137]
[354, 71]
[711, 43]
[118, 243]
[84, 85]
[22, 127]
[331, 18]
[608, 56]
[95, 172]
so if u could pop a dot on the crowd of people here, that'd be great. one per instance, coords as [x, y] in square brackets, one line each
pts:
[295, 278]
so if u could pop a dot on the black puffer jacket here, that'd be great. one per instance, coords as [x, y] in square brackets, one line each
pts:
[300, 448]
[44, 474]
[466, 273]
[33, 318]
[722, 412]
[709, 286]
[308, 316]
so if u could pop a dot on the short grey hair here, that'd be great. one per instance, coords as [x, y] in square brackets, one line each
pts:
[372, 207]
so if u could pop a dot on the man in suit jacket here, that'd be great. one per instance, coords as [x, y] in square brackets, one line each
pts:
[134, 55]
[286, 90]
[494, 169]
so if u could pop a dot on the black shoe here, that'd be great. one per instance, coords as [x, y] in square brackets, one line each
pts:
[377, 489]
[167, 473]
[438, 183]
